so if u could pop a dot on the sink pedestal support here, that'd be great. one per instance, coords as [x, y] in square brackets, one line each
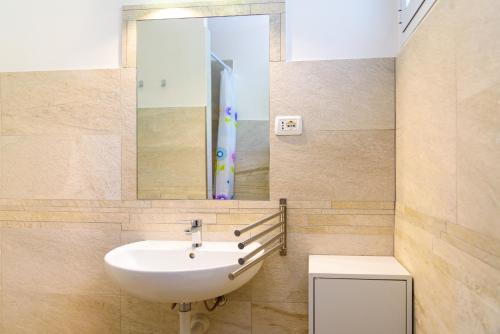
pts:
[198, 325]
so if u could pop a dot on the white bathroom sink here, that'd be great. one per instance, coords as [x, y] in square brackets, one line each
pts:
[175, 272]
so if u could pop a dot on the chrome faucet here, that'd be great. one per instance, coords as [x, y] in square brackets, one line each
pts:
[195, 232]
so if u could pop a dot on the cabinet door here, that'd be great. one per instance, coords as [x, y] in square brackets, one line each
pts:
[358, 306]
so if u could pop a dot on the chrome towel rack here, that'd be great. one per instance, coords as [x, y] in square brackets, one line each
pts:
[278, 241]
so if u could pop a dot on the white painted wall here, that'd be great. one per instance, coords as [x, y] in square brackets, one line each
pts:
[176, 51]
[83, 34]
[59, 34]
[341, 29]
[245, 41]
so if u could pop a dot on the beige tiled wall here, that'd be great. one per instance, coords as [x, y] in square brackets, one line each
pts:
[346, 152]
[448, 174]
[171, 159]
[252, 163]
[60, 135]
[68, 183]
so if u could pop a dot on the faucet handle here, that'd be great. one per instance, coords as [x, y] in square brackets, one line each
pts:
[194, 222]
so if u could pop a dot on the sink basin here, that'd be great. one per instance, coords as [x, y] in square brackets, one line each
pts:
[175, 272]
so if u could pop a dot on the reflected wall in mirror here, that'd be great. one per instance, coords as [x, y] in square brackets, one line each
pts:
[203, 108]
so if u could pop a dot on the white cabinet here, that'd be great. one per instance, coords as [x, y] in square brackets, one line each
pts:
[358, 295]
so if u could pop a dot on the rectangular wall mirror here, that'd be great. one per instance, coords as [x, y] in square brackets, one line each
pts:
[203, 108]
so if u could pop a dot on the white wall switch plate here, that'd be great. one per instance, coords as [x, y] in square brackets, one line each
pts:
[288, 125]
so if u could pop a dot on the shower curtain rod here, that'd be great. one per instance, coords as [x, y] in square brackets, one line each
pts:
[220, 61]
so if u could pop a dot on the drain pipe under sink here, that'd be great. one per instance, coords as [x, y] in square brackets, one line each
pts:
[197, 324]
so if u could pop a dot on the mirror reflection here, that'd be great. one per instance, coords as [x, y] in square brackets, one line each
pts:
[203, 108]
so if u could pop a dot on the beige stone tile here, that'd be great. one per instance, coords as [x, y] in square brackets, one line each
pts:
[181, 218]
[340, 244]
[161, 232]
[197, 204]
[252, 162]
[252, 185]
[129, 168]
[291, 205]
[58, 313]
[446, 231]
[406, 234]
[478, 161]
[229, 10]
[262, 211]
[279, 318]
[425, 78]
[142, 317]
[297, 219]
[442, 272]
[472, 250]
[185, 12]
[194, 3]
[123, 49]
[356, 212]
[478, 116]
[335, 94]
[62, 226]
[243, 294]
[58, 258]
[267, 8]
[275, 37]
[350, 220]
[29, 204]
[357, 230]
[1, 83]
[131, 51]
[61, 102]
[427, 183]
[164, 13]
[363, 205]
[129, 142]
[171, 159]
[57, 167]
[70, 217]
[258, 204]
[83, 210]
[281, 279]
[486, 242]
[413, 248]
[426, 117]
[310, 211]
[477, 49]
[471, 274]
[283, 37]
[1, 275]
[423, 221]
[334, 165]
[193, 211]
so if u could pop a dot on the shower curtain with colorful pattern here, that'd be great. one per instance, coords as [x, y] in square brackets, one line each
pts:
[226, 139]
